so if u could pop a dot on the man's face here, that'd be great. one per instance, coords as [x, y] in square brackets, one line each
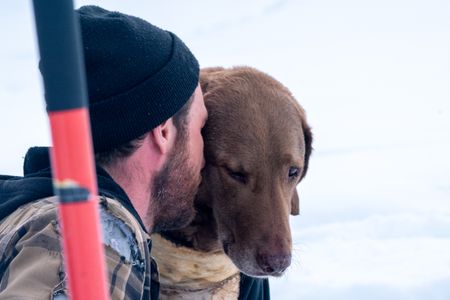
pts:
[175, 186]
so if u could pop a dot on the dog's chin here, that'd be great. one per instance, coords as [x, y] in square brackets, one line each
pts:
[246, 262]
[257, 273]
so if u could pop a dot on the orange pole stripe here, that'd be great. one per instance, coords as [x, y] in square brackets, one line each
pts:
[73, 167]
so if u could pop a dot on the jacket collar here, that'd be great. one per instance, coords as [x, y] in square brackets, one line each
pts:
[37, 184]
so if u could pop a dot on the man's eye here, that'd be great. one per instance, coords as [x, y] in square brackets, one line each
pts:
[294, 172]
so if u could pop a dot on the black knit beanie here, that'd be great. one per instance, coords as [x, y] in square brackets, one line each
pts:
[138, 75]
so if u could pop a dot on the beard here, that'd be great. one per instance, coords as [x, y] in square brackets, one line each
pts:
[174, 189]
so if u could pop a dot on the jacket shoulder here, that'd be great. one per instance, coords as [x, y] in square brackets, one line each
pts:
[31, 260]
[29, 239]
[122, 232]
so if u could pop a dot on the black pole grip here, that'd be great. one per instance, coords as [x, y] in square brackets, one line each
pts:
[62, 63]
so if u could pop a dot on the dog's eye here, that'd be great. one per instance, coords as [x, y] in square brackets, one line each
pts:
[238, 176]
[294, 172]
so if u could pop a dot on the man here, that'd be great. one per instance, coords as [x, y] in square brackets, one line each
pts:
[147, 112]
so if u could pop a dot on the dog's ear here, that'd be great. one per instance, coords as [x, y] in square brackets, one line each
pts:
[295, 204]
[307, 134]
[206, 75]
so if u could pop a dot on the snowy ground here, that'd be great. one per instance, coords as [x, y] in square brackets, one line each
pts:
[373, 77]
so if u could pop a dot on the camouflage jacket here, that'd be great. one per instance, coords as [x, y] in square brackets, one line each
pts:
[31, 263]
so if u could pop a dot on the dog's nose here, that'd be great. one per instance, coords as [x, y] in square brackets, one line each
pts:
[273, 264]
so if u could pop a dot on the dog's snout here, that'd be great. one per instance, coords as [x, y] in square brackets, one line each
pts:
[273, 264]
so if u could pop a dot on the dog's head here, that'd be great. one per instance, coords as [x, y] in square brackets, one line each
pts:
[257, 148]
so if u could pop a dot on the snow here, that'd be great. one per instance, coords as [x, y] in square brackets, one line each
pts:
[373, 77]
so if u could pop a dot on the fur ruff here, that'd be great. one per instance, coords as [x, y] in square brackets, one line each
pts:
[189, 274]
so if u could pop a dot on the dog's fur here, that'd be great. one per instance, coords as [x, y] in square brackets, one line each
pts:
[255, 134]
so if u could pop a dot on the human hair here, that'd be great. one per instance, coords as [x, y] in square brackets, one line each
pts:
[180, 121]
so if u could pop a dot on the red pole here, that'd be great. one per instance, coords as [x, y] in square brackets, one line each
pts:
[72, 160]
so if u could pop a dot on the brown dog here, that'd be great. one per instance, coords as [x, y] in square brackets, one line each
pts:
[257, 148]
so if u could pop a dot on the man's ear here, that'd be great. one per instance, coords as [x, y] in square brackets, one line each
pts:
[295, 204]
[163, 136]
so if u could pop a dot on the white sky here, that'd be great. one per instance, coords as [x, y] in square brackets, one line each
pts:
[374, 79]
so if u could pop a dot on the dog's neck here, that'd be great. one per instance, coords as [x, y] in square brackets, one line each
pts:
[191, 261]
[200, 234]
[190, 270]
